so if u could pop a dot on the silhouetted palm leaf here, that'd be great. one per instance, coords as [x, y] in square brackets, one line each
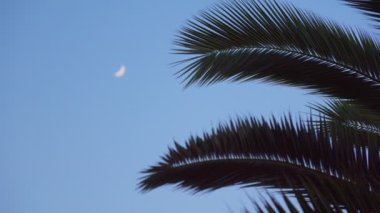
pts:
[269, 154]
[370, 8]
[332, 165]
[258, 153]
[247, 40]
[320, 197]
[338, 113]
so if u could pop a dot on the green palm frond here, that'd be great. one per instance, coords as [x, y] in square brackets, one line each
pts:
[332, 165]
[255, 152]
[370, 8]
[273, 202]
[320, 196]
[247, 40]
[339, 113]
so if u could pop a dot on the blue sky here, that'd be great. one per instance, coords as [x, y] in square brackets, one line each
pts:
[73, 138]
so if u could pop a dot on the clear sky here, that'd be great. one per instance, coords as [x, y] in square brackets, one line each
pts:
[73, 138]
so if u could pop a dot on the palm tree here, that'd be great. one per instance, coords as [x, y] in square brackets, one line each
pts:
[331, 161]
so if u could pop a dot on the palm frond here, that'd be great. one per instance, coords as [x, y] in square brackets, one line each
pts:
[320, 196]
[370, 8]
[274, 202]
[345, 114]
[247, 40]
[255, 152]
[270, 203]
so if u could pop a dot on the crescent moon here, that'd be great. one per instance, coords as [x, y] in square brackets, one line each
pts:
[120, 72]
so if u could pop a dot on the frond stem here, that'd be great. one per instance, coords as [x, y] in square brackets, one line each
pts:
[305, 55]
[327, 174]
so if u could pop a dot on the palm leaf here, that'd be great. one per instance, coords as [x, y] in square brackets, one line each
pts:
[259, 153]
[345, 114]
[246, 40]
[271, 203]
[370, 8]
[320, 197]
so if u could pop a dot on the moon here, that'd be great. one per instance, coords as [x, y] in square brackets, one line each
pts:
[120, 72]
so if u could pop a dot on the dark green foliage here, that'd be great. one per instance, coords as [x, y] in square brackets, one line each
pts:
[265, 153]
[283, 155]
[328, 163]
[344, 114]
[248, 40]
[370, 8]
